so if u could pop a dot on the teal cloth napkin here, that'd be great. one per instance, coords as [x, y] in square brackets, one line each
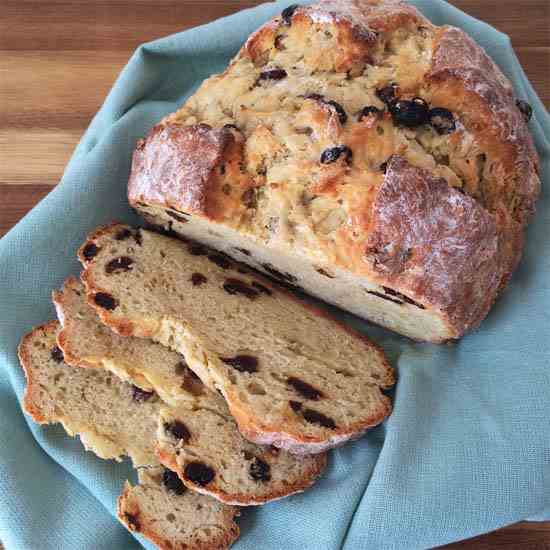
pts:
[467, 449]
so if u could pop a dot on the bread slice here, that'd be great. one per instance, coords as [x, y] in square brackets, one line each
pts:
[175, 518]
[95, 405]
[242, 473]
[353, 148]
[291, 375]
[92, 403]
[215, 459]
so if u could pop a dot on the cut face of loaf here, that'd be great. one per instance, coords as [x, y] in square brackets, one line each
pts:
[291, 375]
[359, 152]
[95, 405]
[200, 435]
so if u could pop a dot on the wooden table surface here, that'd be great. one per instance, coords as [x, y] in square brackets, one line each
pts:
[59, 58]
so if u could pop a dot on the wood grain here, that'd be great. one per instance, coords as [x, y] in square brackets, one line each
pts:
[59, 58]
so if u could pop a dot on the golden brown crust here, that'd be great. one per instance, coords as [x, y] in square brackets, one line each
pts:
[464, 78]
[438, 244]
[23, 351]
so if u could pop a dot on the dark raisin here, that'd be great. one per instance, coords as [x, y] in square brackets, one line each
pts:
[315, 97]
[525, 108]
[279, 42]
[242, 363]
[286, 277]
[123, 234]
[172, 482]
[304, 389]
[334, 153]
[56, 354]
[104, 300]
[140, 396]
[261, 288]
[220, 260]
[178, 430]
[324, 273]
[243, 251]
[367, 111]
[178, 217]
[272, 74]
[296, 406]
[231, 126]
[138, 237]
[132, 521]
[249, 198]
[380, 295]
[287, 13]
[315, 417]
[196, 249]
[410, 113]
[90, 251]
[388, 94]
[182, 368]
[236, 286]
[260, 470]
[406, 299]
[198, 279]
[119, 265]
[342, 115]
[442, 120]
[384, 167]
[199, 473]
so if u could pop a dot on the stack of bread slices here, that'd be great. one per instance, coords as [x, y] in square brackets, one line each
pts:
[224, 389]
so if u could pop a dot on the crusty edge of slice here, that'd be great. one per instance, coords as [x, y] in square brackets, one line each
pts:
[250, 427]
[169, 460]
[131, 516]
[114, 452]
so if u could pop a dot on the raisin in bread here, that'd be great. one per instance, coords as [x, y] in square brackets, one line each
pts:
[356, 150]
[112, 423]
[163, 511]
[200, 434]
[291, 375]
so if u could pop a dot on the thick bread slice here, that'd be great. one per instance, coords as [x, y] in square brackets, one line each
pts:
[291, 375]
[215, 459]
[243, 473]
[98, 407]
[92, 403]
[175, 521]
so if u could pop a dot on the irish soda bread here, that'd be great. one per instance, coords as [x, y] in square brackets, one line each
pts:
[361, 153]
[199, 439]
[110, 422]
[292, 376]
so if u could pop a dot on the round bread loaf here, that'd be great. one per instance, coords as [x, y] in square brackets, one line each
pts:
[355, 150]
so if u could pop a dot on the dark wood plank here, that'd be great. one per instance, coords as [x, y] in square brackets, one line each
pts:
[521, 536]
[103, 25]
[121, 24]
[16, 201]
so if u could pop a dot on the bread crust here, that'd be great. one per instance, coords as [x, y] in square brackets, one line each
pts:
[29, 401]
[457, 75]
